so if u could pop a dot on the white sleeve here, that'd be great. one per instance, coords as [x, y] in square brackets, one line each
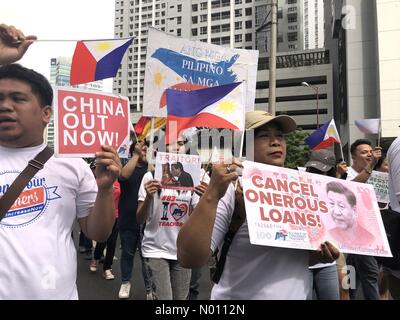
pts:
[394, 174]
[142, 191]
[223, 218]
[86, 192]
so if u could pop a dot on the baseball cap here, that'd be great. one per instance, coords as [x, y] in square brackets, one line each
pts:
[258, 118]
[323, 160]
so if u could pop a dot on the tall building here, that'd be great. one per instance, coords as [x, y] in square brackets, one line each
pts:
[363, 40]
[235, 23]
[60, 69]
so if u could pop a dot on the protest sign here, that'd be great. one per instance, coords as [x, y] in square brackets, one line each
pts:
[182, 64]
[292, 209]
[84, 120]
[177, 171]
[380, 182]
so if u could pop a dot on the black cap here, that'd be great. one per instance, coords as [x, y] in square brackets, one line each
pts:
[323, 160]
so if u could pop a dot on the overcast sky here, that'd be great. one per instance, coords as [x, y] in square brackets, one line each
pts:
[58, 20]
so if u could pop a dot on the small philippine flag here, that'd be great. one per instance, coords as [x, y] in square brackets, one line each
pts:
[97, 59]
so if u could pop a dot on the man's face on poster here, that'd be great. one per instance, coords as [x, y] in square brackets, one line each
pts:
[342, 212]
[175, 171]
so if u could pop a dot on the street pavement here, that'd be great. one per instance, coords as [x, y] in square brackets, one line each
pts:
[92, 286]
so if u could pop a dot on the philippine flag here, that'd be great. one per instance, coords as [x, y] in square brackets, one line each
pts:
[97, 59]
[368, 125]
[323, 137]
[215, 107]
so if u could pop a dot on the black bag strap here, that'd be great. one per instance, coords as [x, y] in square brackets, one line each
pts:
[238, 217]
[12, 193]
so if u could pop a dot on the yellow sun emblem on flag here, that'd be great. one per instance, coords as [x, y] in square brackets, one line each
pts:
[104, 46]
[226, 107]
[158, 79]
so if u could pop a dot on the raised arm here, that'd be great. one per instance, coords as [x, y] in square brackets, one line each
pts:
[98, 224]
[147, 190]
[194, 239]
[128, 169]
[13, 44]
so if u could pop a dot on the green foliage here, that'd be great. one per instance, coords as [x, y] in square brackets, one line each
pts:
[297, 152]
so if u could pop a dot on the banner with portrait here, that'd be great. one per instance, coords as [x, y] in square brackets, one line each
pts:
[292, 209]
[177, 171]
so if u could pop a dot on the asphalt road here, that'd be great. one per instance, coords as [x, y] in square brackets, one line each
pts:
[92, 286]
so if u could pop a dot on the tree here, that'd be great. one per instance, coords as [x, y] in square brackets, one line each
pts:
[297, 152]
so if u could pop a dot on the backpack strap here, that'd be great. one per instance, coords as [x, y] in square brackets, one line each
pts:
[238, 217]
[12, 193]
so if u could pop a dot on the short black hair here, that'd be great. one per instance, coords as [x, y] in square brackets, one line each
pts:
[357, 143]
[40, 86]
[177, 165]
[340, 188]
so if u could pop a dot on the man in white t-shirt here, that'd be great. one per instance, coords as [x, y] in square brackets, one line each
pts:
[36, 248]
[364, 158]
[251, 271]
[165, 211]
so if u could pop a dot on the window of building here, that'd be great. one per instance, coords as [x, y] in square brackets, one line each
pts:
[238, 25]
[194, 7]
[238, 12]
[178, 20]
[216, 29]
[179, 32]
[292, 36]
[179, 8]
[194, 32]
[203, 30]
[249, 37]
[238, 38]
[203, 6]
[249, 24]
[194, 19]
[203, 18]
[248, 11]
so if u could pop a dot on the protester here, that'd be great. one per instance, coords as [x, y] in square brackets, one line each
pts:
[13, 44]
[36, 244]
[324, 277]
[364, 158]
[110, 244]
[129, 229]
[170, 279]
[393, 156]
[251, 271]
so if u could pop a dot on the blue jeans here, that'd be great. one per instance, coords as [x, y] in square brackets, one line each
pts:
[325, 282]
[194, 284]
[131, 240]
[170, 280]
[367, 273]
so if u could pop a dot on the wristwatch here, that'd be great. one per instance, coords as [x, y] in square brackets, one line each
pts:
[368, 170]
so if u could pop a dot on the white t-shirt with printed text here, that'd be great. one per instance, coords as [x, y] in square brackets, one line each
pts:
[169, 210]
[37, 252]
[254, 272]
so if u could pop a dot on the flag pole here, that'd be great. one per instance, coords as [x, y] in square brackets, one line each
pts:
[151, 139]
[379, 132]
[240, 154]
[341, 150]
[70, 40]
